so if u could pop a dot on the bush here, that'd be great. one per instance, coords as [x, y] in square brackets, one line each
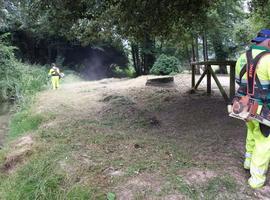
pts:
[126, 72]
[166, 65]
[18, 80]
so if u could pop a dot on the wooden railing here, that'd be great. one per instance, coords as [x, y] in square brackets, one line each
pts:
[208, 72]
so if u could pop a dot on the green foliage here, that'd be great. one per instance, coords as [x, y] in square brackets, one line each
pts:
[258, 19]
[111, 196]
[130, 72]
[124, 72]
[141, 23]
[32, 79]
[166, 65]
[18, 80]
[221, 29]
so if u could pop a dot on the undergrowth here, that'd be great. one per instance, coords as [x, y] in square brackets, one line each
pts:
[18, 80]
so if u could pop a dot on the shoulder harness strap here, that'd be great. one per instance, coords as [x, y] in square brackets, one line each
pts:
[250, 68]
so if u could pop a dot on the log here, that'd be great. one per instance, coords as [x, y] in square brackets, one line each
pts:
[159, 80]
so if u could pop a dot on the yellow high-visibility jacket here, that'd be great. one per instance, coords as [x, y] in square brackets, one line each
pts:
[54, 71]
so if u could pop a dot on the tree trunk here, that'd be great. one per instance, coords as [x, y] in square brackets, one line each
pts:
[205, 47]
[193, 50]
[136, 59]
[197, 56]
[148, 55]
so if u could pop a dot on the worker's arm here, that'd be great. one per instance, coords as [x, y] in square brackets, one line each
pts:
[50, 72]
[237, 66]
[268, 65]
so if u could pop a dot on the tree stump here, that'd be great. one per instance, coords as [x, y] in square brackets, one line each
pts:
[158, 81]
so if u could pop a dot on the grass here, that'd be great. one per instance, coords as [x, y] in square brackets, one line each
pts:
[221, 187]
[36, 180]
[184, 188]
[44, 178]
[78, 193]
[23, 122]
[71, 159]
[218, 185]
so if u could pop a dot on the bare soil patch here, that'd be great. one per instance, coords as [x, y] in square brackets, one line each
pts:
[20, 150]
[197, 176]
[143, 185]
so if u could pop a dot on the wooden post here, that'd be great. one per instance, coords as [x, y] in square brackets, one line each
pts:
[209, 73]
[232, 81]
[222, 91]
[193, 75]
[200, 80]
[208, 68]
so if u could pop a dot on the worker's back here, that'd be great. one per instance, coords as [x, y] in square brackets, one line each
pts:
[262, 69]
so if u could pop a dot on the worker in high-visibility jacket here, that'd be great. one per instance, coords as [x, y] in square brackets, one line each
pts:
[257, 154]
[55, 75]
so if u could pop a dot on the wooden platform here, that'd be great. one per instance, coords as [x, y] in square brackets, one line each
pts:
[209, 72]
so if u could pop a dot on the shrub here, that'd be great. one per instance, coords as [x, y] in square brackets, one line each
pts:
[17, 79]
[123, 72]
[166, 65]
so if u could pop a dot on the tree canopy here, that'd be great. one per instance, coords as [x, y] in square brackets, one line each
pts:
[141, 29]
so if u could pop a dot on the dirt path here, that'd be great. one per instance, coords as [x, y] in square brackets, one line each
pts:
[193, 130]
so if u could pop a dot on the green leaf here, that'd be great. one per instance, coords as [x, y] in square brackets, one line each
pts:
[111, 196]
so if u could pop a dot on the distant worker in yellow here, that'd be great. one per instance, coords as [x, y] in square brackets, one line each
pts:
[55, 75]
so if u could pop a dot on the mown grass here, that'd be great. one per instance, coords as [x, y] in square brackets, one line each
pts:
[44, 178]
[73, 157]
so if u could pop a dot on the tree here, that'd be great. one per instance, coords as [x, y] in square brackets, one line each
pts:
[140, 23]
[259, 14]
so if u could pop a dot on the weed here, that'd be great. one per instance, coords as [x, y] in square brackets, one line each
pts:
[111, 196]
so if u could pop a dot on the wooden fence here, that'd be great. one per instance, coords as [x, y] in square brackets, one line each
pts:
[208, 72]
